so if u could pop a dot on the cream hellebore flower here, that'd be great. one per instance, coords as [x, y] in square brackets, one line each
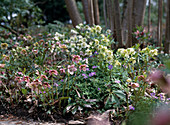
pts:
[131, 51]
[133, 59]
[154, 52]
[96, 42]
[109, 58]
[109, 52]
[88, 52]
[84, 45]
[73, 32]
[108, 31]
[117, 63]
[122, 51]
[98, 29]
[128, 80]
[145, 50]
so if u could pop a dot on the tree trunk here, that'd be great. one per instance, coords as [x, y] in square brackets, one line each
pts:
[139, 7]
[125, 21]
[167, 33]
[73, 12]
[138, 13]
[91, 12]
[159, 28]
[96, 12]
[104, 12]
[149, 15]
[130, 6]
[85, 11]
[118, 23]
[108, 12]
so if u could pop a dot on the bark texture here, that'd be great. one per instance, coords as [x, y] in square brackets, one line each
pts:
[159, 30]
[73, 12]
[91, 12]
[96, 12]
[118, 23]
[85, 11]
[167, 33]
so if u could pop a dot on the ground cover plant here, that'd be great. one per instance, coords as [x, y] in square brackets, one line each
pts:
[78, 72]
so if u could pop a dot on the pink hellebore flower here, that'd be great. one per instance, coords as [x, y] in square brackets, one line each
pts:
[19, 73]
[43, 77]
[25, 79]
[51, 72]
[71, 69]
[45, 84]
[18, 79]
[135, 85]
[62, 70]
[2, 65]
[76, 58]
[137, 32]
[83, 67]
[35, 83]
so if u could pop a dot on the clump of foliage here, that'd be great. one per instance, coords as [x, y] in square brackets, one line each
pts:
[76, 72]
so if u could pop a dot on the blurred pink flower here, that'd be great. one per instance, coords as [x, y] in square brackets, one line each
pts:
[43, 77]
[2, 65]
[35, 51]
[18, 79]
[76, 58]
[46, 84]
[35, 83]
[135, 85]
[158, 77]
[25, 79]
[62, 70]
[162, 117]
[71, 69]
[83, 67]
[141, 77]
[51, 72]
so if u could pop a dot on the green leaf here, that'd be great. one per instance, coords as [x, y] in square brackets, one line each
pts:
[24, 91]
[120, 94]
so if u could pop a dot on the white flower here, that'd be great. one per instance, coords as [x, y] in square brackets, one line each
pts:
[74, 32]
[88, 52]
[109, 53]
[84, 45]
[72, 45]
[98, 29]
[131, 51]
[96, 42]
[117, 63]
[109, 59]
[84, 39]
[108, 31]
[154, 52]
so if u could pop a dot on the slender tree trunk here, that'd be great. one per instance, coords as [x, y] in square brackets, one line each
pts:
[125, 21]
[96, 12]
[138, 13]
[149, 15]
[73, 12]
[118, 23]
[104, 12]
[91, 12]
[108, 12]
[130, 6]
[159, 35]
[167, 33]
[112, 19]
[85, 10]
